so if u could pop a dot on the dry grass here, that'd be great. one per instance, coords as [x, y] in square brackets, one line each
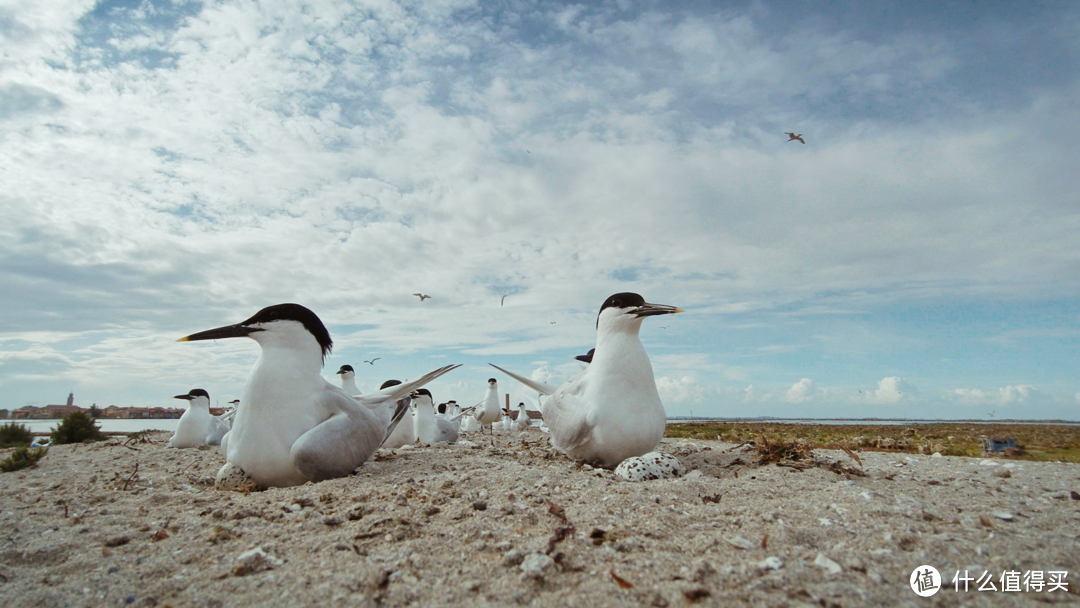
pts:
[1039, 442]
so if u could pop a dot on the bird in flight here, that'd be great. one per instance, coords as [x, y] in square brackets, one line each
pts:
[502, 300]
[372, 362]
[794, 137]
[422, 296]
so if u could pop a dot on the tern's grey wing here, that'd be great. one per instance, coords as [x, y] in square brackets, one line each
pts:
[393, 393]
[567, 416]
[463, 413]
[342, 442]
[399, 413]
[448, 431]
[539, 387]
[218, 429]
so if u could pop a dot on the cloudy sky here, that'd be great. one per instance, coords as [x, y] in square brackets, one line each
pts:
[168, 167]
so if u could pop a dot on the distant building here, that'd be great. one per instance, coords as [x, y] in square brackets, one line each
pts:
[4, 414]
[57, 412]
[25, 412]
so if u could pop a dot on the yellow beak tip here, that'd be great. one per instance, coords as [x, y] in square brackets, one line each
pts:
[184, 339]
[679, 310]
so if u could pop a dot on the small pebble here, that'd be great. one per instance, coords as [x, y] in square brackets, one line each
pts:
[740, 543]
[513, 557]
[535, 565]
[771, 563]
[827, 564]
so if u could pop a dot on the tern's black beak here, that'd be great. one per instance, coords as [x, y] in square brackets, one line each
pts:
[648, 310]
[229, 331]
[185, 397]
[587, 357]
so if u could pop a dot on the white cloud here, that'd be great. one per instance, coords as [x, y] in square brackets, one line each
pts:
[801, 391]
[680, 390]
[749, 393]
[890, 390]
[346, 156]
[1008, 395]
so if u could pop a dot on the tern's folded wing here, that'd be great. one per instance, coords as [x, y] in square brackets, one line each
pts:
[539, 387]
[399, 414]
[567, 416]
[342, 442]
[393, 393]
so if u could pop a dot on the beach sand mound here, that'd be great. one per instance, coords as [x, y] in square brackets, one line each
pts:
[508, 522]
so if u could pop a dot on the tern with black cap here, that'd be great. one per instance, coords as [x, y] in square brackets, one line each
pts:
[426, 426]
[197, 426]
[489, 412]
[611, 410]
[292, 426]
[348, 380]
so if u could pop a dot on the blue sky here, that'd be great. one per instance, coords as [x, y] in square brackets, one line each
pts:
[170, 167]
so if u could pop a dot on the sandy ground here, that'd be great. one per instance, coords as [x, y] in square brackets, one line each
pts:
[481, 525]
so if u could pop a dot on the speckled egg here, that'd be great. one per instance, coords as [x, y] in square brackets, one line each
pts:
[654, 465]
[232, 478]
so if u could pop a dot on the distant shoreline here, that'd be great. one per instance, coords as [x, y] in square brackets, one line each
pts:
[123, 427]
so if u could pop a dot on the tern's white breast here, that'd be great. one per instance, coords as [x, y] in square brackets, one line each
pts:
[279, 405]
[625, 410]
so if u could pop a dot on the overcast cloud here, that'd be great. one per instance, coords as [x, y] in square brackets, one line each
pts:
[174, 166]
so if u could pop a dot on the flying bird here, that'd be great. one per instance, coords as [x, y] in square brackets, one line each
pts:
[794, 137]
[422, 296]
[611, 410]
[502, 300]
[372, 362]
[292, 425]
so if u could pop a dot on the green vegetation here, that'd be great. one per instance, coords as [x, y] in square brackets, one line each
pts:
[77, 427]
[22, 458]
[13, 435]
[1038, 442]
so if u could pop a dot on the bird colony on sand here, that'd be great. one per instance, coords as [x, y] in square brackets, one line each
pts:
[291, 426]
